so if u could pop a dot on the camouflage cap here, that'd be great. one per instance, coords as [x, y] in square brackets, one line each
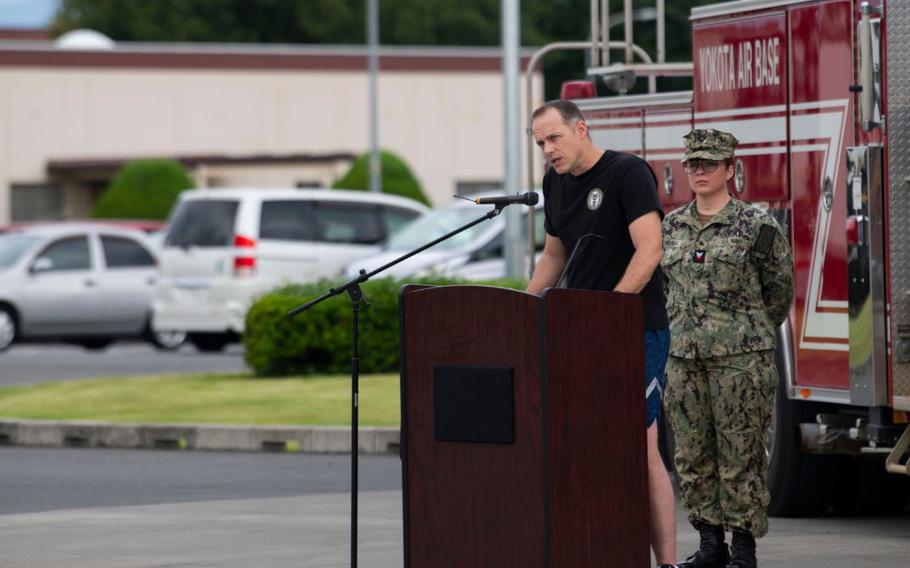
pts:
[709, 144]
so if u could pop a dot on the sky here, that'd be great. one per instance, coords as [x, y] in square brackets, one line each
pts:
[26, 13]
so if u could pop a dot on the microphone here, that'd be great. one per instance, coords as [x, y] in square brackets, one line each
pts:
[529, 198]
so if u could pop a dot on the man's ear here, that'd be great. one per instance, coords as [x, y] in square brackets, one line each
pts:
[581, 127]
[730, 172]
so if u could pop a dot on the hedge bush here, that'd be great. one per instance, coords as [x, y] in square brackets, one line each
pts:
[319, 340]
[143, 189]
[397, 178]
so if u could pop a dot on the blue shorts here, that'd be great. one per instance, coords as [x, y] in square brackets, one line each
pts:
[657, 348]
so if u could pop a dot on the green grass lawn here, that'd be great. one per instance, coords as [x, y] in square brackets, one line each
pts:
[210, 399]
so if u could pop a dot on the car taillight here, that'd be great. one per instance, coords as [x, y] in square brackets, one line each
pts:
[244, 261]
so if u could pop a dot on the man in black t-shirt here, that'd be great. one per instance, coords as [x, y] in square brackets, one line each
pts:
[603, 233]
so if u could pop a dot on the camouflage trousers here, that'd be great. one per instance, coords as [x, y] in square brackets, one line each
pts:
[719, 409]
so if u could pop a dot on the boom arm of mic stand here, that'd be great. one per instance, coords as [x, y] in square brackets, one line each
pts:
[354, 284]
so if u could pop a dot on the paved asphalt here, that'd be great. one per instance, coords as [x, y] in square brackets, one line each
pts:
[314, 531]
[53, 479]
[33, 363]
[208, 509]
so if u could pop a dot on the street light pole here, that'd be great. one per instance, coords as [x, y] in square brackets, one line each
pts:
[373, 40]
[512, 135]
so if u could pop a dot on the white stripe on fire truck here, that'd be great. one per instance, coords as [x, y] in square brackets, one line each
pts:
[812, 127]
[819, 325]
[758, 151]
[775, 109]
[772, 109]
[833, 304]
[660, 118]
[611, 121]
[834, 103]
[813, 346]
[731, 113]
[683, 119]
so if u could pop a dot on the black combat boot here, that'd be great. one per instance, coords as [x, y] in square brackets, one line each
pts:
[712, 550]
[743, 550]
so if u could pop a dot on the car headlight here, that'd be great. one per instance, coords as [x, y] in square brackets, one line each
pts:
[437, 269]
[442, 268]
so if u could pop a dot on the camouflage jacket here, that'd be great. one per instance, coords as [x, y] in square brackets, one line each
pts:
[729, 283]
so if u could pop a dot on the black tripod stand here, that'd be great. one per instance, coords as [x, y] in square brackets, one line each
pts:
[356, 294]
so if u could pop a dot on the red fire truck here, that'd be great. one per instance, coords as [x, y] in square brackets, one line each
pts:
[818, 94]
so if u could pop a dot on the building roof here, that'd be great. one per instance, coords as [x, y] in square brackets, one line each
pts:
[254, 56]
[58, 166]
[23, 34]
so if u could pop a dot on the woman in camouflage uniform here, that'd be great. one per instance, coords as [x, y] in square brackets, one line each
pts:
[730, 284]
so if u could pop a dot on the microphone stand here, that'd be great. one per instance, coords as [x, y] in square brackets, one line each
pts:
[352, 288]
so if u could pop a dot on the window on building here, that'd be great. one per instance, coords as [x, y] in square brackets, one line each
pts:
[36, 201]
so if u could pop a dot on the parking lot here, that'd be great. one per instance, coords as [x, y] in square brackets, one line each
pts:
[143, 509]
[33, 363]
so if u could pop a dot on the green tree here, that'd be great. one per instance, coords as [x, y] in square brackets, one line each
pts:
[397, 177]
[143, 189]
[401, 22]
[259, 21]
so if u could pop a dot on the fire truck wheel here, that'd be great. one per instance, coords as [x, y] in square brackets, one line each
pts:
[864, 487]
[800, 484]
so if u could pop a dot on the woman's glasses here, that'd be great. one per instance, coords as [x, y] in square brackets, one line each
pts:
[707, 166]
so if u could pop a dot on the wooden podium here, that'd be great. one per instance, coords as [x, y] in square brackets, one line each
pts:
[523, 428]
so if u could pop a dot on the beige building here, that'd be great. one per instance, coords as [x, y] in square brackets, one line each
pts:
[238, 115]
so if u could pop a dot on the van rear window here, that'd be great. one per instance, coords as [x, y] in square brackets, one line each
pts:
[203, 223]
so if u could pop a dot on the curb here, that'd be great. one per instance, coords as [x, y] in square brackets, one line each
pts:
[90, 434]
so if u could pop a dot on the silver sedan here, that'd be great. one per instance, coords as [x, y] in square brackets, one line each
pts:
[82, 283]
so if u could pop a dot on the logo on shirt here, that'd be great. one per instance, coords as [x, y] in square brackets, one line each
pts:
[698, 257]
[595, 199]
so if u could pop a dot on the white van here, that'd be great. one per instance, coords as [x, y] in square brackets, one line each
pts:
[225, 246]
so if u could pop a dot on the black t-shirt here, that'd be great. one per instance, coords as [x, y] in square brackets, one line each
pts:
[593, 211]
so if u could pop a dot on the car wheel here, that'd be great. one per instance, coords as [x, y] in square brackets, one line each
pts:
[7, 328]
[96, 344]
[209, 342]
[167, 340]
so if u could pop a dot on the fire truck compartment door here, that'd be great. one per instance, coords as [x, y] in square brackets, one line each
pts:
[866, 276]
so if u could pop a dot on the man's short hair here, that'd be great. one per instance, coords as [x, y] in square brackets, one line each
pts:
[568, 111]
